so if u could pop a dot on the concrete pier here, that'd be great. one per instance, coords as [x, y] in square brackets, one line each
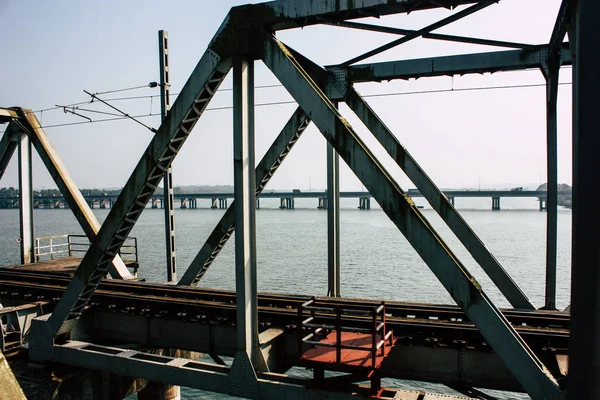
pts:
[322, 203]
[286, 203]
[364, 203]
[495, 203]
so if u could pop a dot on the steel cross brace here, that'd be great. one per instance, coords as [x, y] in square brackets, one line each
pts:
[428, 189]
[438, 201]
[270, 162]
[439, 24]
[434, 36]
[158, 157]
[30, 125]
[462, 286]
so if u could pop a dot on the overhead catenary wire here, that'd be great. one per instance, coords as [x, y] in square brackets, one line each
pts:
[372, 95]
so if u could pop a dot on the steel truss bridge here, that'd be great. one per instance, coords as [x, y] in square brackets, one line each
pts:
[252, 323]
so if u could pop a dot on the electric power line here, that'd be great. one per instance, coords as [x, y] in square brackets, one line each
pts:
[392, 94]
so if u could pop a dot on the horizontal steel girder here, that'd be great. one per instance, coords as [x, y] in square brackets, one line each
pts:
[271, 161]
[438, 201]
[509, 60]
[462, 286]
[286, 14]
[158, 157]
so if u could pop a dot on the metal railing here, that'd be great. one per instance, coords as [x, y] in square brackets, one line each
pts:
[322, 329]
[59, 246]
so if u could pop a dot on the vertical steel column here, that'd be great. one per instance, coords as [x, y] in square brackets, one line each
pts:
[245, 209]
[333, 222]
[168, 202]
[584, 357]
[26, 199]
[551, 75]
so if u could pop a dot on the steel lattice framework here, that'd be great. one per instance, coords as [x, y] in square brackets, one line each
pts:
[246, 35]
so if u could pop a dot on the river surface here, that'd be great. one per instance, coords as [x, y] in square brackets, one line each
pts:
[376, 260]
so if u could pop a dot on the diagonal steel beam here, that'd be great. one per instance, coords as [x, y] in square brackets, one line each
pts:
[8, 145]
[438, 201]
[158, 157]
[562, 25]
[80, 208]
[462, 286]
[434, 36]
[271, 161]
[446, 21]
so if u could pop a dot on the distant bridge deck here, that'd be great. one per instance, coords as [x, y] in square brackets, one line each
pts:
[313, 194]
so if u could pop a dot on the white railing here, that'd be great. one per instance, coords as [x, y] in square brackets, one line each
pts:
[59, 246]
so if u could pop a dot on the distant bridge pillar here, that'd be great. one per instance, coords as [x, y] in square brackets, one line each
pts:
[184, 203]
[286, 203]
[213, 203]
[26, 199]
[495, 203]
[223, 202]
[364, 203]
[155, 203]
[257, 203]
[451, 200]
[322, 203]
[543, 204]
[57, 204]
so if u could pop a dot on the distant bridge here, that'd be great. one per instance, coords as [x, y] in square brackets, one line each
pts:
[286, 198]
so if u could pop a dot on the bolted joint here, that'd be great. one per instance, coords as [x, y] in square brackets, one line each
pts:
[246, 24]
[336, 86]
[41, 339]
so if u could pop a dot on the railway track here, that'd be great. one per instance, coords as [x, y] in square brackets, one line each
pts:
[437, 325]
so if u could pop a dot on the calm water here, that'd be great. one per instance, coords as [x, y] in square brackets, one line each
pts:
[377, 262]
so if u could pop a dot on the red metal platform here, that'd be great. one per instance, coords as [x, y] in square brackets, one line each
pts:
[350, 357]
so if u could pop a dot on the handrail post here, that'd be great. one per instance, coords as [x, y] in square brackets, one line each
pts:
[37, 250]
[338, 334]
[299, 331]
[384, 330]
[374, 339]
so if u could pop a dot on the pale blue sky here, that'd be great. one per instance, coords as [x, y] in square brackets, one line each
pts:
[52, 51]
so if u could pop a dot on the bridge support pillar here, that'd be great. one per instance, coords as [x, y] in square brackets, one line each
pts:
[223, 203]
[364, 203]
[584, 356]
[333, 222]
[247, 359]
[322, 203]
[257, 204]
[495, 203]
[543, 204]
[451, 200]
[25, 200]
[286, 203]
[184, 203]
[213, 203]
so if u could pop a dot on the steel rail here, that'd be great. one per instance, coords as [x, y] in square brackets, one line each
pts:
[413, 311]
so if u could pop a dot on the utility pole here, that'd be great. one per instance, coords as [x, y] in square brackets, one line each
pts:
[168, 200]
